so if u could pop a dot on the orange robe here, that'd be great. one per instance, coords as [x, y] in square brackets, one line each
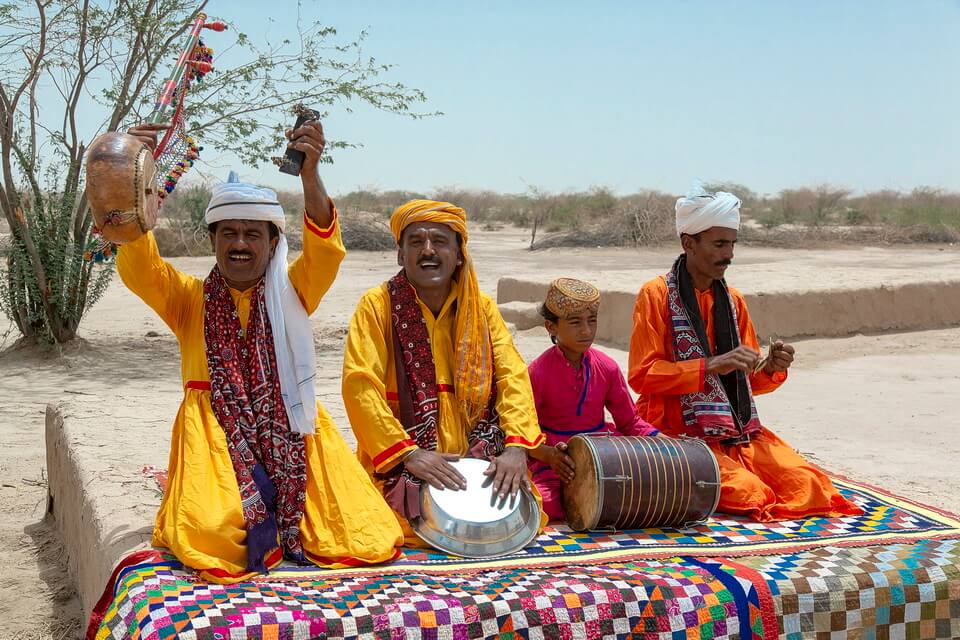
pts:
[765, 479]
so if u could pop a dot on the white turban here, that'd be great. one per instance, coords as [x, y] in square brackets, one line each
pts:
[699, 210]
[292, 335]
[241, 201]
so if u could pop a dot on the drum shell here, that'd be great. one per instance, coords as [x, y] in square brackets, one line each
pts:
[458, 531]
[121, 186]
[635, 482]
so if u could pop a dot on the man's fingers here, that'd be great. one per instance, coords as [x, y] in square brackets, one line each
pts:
[445, 478]
[433, 481]
[307, 131]
[455, 476]
[741, 362]
[781, 362]
[515, 484]
[313, 126]
[316, 141]
[787, 348]
[499, 485]
[306, 147]
[745, 358]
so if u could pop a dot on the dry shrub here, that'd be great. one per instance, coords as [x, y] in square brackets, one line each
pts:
[639, 220]
[361, 231]
[597, 217]
[380, 202]
[485, 206]
[827, 215]
[816, 207]
[366, 231]
[481, 206]
[178, 240]
[800, 237]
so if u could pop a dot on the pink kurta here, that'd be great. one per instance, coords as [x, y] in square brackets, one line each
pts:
[571, 401]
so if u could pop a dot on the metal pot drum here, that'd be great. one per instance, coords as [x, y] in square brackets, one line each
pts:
[638, 482]
[464, 523]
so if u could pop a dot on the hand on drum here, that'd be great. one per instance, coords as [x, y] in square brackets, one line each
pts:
[147, 133]
[433, 468]
[508, 472]
[559, 461]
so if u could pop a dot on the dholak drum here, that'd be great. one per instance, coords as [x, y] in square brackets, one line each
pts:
[637, 482]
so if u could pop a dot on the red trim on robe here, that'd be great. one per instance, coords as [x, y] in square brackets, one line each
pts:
[519, 440]
[316, 230]
[392, 396]
[391, 451]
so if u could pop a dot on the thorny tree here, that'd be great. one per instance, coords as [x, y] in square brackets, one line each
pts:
[71, 69]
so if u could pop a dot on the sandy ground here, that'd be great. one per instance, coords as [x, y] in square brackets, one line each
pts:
[880, 408]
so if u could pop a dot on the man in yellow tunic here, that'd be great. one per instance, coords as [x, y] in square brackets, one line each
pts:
[430, 372]
[695, 363]
[257, 469]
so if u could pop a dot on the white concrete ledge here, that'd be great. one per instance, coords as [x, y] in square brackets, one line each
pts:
[522, 315]
[788, 314]
[102, 504]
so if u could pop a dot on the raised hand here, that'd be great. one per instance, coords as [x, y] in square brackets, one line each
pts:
[309, 139]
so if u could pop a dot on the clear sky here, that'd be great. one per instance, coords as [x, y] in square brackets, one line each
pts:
[629, 95]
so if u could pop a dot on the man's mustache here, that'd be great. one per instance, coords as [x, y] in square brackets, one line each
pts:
[723, 263]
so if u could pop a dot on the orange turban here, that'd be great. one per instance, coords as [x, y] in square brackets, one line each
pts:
[473, 377]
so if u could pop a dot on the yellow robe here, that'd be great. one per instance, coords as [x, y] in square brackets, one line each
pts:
[370, 386]
[345, 519]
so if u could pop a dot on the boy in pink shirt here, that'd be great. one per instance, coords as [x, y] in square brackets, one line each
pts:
[572, 385]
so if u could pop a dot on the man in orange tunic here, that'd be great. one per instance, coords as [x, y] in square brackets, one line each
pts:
[695, 363]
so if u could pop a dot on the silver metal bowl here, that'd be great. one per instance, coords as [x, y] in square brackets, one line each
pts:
[464, 523]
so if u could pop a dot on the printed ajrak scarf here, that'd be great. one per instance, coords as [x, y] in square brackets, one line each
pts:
[268, 458]
[724, 410]
[418, 394]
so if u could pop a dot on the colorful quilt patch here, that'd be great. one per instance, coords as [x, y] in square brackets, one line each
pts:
[896, 591]
[886, 519]
[892, 573]
[653, 600]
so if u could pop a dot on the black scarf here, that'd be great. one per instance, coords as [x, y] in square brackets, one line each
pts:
[726, 335]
